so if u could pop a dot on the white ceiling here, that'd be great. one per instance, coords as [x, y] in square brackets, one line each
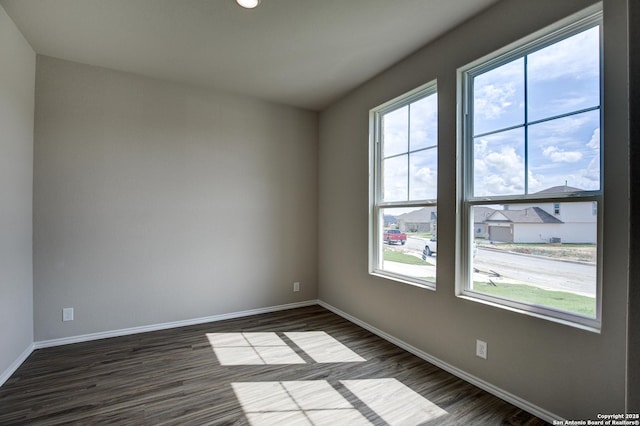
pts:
[305, 53]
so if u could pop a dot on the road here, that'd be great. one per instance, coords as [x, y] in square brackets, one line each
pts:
[579, 278]
[539, 271]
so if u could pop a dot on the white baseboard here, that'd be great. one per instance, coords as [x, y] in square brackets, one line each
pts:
[17, 363]
[486, 386]
[134, 330]
[163, 326]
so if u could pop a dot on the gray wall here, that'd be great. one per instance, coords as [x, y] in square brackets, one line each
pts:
[564, 370]
[158, 202]
[17, 71]
[633, 361]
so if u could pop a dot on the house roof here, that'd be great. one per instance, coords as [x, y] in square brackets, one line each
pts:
[480, 214]
[424, 215]
[560, 189]
[528, 215]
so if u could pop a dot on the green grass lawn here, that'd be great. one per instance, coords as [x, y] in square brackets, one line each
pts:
[395, 256]
[563, 300]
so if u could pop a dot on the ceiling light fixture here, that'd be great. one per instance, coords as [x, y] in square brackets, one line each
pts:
[248, 4]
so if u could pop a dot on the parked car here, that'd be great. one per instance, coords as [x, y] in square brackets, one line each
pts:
[431, 247]
[394, 236]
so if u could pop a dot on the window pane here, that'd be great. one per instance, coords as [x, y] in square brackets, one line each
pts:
[498, 164]
[565, 76]
[423, 180]
[565, 154]
[395, 132]
[498, 98]
[424, 123]
[395, 175]
[408, 242]
[406, 168]
[526, 253]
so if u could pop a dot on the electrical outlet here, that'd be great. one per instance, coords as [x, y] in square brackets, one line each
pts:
[481, 349]
[67, 314]
[296, 286]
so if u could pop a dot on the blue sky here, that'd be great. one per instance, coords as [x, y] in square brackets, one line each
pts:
[411, 129]
[562, 78]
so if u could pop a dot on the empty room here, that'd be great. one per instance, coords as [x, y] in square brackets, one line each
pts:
[335, 212]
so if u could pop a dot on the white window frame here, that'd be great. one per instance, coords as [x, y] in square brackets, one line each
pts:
[568, 27]
[376, 203]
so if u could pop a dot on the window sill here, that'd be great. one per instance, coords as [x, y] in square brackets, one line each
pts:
[582, 323]
[404, 280]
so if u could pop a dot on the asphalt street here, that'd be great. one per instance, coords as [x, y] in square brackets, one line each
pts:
[576, 277]
[553, 274]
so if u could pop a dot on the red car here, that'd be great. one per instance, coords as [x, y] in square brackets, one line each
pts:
[394, 236]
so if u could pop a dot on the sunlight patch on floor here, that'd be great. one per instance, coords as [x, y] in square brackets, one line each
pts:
[322, 347]
[262, 348]
[298, 402]
[252, 349]
[317, 402]
[393, 401]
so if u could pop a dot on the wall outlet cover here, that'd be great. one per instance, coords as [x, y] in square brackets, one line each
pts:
[67, 314]
[481, 349]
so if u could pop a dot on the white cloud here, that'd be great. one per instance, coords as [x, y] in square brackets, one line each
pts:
[575, 57]
[499, 185]
[480, 147]
[498, 172]
[395, 134]
[395, 173]
[424, 182]
[425, 174]
[499, 93]
[566, 126]
[506, 160]
[569, 101]
[592, 173]
[584, 175]
[558, 156]
[535, 181]
[491, 101]
[594, 142]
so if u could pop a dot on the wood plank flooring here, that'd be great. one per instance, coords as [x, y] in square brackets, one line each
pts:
[334, 373]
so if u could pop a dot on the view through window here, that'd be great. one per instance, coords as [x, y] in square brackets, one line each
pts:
[404, 189]
[532, 174]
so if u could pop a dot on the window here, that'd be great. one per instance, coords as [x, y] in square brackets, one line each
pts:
[404, 174]
[531, 149]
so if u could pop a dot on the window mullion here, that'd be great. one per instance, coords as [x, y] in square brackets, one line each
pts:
[408, 150]
[501, 130]
[526, 125]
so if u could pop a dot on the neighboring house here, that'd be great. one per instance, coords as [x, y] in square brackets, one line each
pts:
[535, 223]
[480, 215]
[525, 225]
[422, 220]
[561, 222]
[390, 221]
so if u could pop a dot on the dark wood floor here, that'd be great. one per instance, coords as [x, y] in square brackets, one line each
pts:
[174, 377]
